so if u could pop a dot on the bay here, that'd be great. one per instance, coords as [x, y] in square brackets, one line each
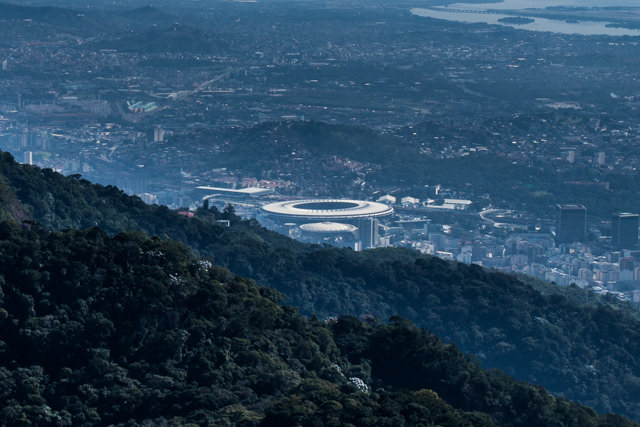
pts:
[485, 13]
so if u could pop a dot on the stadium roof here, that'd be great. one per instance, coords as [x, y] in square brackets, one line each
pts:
[327, 209]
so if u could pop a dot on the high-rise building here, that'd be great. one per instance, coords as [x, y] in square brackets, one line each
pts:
[149, 198]
[158, 135]
[625, 230]
[627, 263]
[368, 233]
[28, 157]
[569, 156]
[571, 223]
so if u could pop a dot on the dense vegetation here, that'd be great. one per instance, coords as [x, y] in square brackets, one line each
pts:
[13, 11]
[126, 329]
[82, 23]
[177, 38]
[572, 342]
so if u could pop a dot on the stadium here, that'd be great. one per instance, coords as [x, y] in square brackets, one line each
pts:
[332, 210]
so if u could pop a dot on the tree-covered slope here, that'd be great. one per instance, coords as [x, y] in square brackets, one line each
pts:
[177, 38]
[10, 206]
[574, 343]
[131, 330]
[58, 202]
[14, 11]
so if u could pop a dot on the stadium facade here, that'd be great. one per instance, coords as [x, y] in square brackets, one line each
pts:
[340, 222]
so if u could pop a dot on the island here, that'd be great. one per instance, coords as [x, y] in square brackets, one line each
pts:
[516, 20]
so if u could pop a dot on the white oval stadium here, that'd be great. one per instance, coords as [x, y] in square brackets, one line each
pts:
[328, 228]
[326, 209]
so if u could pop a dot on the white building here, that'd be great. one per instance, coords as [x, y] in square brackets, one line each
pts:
[409, 201]
[388, 199]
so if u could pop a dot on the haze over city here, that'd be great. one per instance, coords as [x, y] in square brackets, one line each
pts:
[498, 139]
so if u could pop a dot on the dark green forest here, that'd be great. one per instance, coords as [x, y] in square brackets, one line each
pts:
[573, 343]
[128, 330]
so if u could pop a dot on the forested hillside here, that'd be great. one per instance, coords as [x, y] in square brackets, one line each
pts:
[573, 343]
[128, 330]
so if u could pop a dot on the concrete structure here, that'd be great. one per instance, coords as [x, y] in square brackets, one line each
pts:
[28, 157]
[239, 193]
[368, 233]
[337, 217]
[335, 210]
[625, 230]
[571, 223]
[460, 204]
[332, 233]
[149, 198]
[409, 201]
[449, 204]
[328, 228]
[158, 134]
[388, 199]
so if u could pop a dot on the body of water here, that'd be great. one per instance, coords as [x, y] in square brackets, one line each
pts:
[477, 13]
[541, 4]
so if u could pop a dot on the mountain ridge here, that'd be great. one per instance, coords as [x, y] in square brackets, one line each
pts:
[131, 330]
[573, 342]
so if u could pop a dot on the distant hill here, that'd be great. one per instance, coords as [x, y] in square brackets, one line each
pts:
[140, 17]
[572, 342]
[313, 140]
[86, 22]
[145, 12]
[13, 11]
[177, 38]
[418, 154]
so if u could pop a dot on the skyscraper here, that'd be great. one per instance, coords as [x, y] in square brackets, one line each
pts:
[625, 230]
[368, 233]
[571, 223]
[158, 134]
[28, 157]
